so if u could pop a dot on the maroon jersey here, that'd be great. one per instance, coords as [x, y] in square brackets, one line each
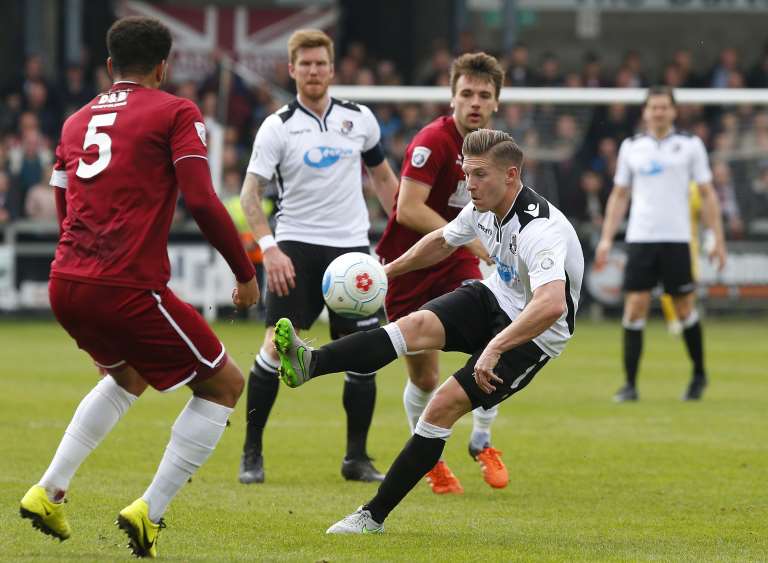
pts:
[432, 158]
[116, 160]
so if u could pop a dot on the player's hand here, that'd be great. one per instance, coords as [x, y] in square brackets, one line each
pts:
[476, 247]
[601, 253]
[246, 294]
[281, 277]
[718, 254]
[484, 374]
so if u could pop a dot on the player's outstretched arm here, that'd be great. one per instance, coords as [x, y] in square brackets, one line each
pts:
[384, 184]
[546, 307]
[194, 180]
[615, 209]
[280, 272]
[710, 214]
[430, 250]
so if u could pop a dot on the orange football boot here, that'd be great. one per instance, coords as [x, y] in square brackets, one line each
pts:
[443, 481]
[494, 471]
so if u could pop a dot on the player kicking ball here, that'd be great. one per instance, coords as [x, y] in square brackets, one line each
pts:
[119, 162]
[511, 324]
[432, 192]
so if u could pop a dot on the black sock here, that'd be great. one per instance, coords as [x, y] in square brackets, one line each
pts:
[262, 392]
[359, 401]
[633, 347]
[361, 352]
[419, 455]
[694, 344]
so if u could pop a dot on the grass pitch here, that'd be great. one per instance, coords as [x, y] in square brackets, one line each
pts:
[658, 480]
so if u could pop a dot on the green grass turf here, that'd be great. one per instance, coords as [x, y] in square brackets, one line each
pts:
[658, 480]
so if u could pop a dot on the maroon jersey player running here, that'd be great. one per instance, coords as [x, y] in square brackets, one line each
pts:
[121, 161]
[432, 192]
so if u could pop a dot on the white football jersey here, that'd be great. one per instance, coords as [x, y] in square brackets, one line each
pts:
[318, 168]
[659, 171]
[533, 245]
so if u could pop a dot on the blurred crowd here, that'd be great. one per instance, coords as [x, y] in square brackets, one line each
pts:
[571, 152]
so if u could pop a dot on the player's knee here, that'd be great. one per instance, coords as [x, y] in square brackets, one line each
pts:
[413, 327]
[425, 379]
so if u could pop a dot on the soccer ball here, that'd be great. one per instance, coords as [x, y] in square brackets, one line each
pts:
[354, 285]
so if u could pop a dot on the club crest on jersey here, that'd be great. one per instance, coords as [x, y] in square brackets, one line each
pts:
[420, 156]
[513, 244]
[346, 127]
[200, 128]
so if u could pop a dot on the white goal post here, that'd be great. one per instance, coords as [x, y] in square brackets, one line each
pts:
[569, 96]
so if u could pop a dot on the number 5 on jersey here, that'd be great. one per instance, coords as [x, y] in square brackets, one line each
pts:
[102, 141]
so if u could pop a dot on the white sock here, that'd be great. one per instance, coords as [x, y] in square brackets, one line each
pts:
[427, 430]
[95, 416]
[397, 338]
[481, 426]
[415, 401]
[194, 436]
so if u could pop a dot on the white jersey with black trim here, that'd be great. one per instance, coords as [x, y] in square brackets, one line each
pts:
[533, 245]
[659, 172]
[318, 168]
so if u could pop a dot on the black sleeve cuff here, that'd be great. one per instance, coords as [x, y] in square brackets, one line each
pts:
[374, 156]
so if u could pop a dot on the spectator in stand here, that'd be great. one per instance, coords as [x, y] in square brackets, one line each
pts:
[758, 74]
[40, 204]
[593, 196]
[728, 63]
[633, 64]
[36, 101]
[439, 64]
[389, 122]
[6, 203]
[671, 76]
[346, 70]
[549, 74]
[28, 161]
[684, 61]
[515, 119]
[10, 110]
[726, 194]
[387, 74]
[188, 90]
[75, 92]
[592, 71]
[518, 71]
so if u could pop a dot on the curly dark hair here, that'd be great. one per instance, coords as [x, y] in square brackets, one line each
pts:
[137, 44]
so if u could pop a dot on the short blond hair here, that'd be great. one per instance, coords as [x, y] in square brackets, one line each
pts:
[501, 146]
[477, 65]
[307, 39]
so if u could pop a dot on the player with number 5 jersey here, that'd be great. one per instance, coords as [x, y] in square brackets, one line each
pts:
[120, 164]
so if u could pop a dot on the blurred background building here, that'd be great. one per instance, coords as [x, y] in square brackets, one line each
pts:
[231, 59]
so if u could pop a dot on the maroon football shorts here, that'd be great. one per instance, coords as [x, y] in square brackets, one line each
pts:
[163, 338]
[407, 293]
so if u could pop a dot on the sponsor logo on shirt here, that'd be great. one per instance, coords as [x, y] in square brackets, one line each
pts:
[200, 127]
[323, 157]
[486, 230]
[111, 100]
[653, 168]
[420, 156]
[507, 272]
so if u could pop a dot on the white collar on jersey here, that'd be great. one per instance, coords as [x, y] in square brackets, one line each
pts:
[125, 82]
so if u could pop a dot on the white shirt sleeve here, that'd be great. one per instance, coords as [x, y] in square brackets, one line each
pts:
[543, 251]
[700, 171]
[372, 129]
[623, 176]
[461, 230]
[268, 148]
